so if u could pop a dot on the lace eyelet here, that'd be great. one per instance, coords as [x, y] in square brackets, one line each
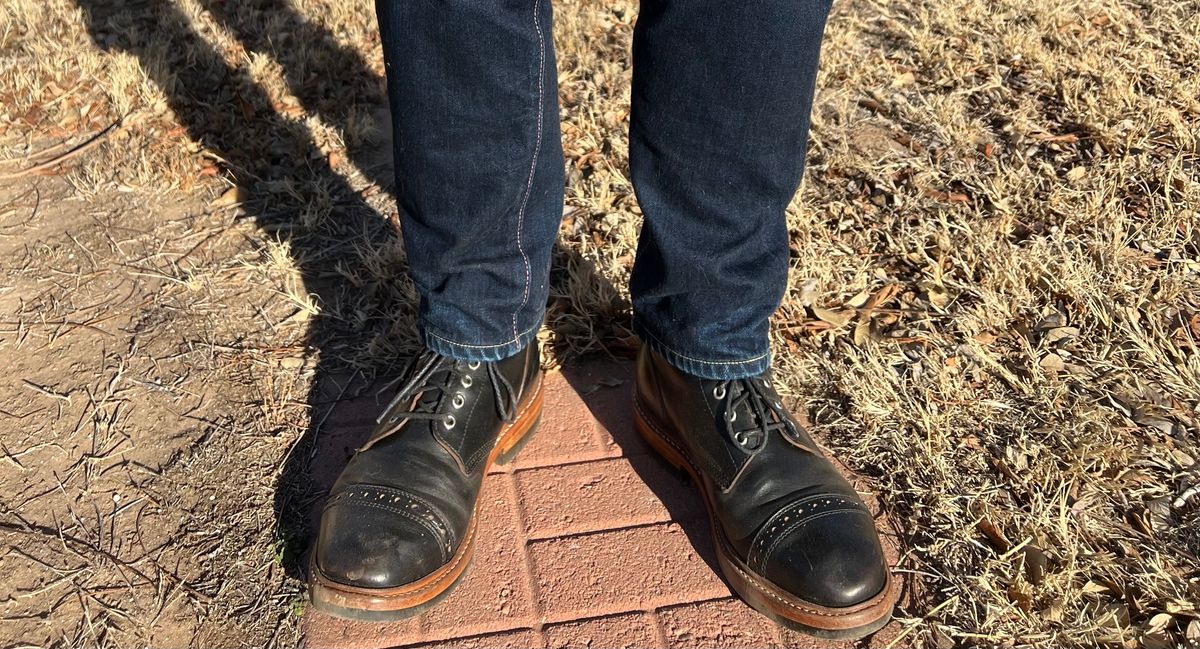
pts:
[458, 400]
[473, 365]
[719, 392]
[449, 422]
[466, 380]
[739, 437]
[393, 420]
[731, 416]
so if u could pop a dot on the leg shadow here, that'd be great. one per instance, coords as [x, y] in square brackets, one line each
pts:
[347, 252]
[338, 242]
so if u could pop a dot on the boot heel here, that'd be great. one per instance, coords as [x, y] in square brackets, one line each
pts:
[646, 430]
[509, 455]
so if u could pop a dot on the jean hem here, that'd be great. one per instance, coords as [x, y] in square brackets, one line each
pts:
[477, 352]
[717, 370]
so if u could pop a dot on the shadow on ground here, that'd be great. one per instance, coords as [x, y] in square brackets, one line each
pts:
[332, 231]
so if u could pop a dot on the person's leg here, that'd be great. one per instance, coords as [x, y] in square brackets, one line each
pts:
[479, 180]
[720, 111]
[721, 99]
[479, 165]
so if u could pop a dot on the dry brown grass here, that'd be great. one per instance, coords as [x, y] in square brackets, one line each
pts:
[993, 312]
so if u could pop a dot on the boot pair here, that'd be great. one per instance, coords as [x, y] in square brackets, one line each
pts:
[791, 535]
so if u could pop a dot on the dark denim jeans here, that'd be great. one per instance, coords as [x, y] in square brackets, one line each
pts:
[721, 98]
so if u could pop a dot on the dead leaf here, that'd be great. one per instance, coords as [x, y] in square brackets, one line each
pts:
[862, 332]
[1035, 564]
[835, 318]
[880, 298]
[1061, 334]
[945, 197]
[993, 534]
[859, 300]
[1052, 363]
[231, 197]
[1022, 599]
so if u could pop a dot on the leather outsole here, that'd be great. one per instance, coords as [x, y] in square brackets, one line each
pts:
[846, 623]
[390, 604]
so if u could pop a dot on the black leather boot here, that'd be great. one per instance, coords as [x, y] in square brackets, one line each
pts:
[791, 535]
[398, 528]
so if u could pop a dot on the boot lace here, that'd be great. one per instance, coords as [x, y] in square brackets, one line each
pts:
[767, 414]
[427, 379]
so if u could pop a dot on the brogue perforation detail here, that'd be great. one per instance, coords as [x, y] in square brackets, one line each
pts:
[784, 521]
[404, 504]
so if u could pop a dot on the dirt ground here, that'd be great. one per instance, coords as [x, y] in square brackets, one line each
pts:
[992, 316]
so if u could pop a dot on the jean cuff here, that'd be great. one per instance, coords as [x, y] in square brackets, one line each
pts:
[705, 369]
[472, 352]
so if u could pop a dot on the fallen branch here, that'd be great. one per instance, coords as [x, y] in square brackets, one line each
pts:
[91, 142]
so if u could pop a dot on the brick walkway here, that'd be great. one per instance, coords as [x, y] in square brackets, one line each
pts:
[587, 540]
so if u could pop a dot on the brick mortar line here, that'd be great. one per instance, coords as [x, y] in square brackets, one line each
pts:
[535, 596]
[656, 626]
[638, 526]
[566, 463]
[517, 467]
[580, 615]
[567, 460]
[450, 636]
[618, 527]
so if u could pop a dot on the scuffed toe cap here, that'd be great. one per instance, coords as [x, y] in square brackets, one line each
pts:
[832, 559]
[362, 546]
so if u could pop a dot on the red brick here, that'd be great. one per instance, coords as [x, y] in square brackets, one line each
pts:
[718, 623]
[606, 388]
[600, 495]
[627, 630]
[494, 595]
[326, 632]
[519, 639]
[623, 570]
[567, 432]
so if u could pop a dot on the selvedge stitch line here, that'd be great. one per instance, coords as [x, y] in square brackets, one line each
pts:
[537, 148]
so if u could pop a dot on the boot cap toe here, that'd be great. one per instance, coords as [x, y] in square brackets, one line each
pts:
[360, 545]
[831, 559]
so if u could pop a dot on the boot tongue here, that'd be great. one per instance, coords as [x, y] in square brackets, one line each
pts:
[745, 429]
[429, 399]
